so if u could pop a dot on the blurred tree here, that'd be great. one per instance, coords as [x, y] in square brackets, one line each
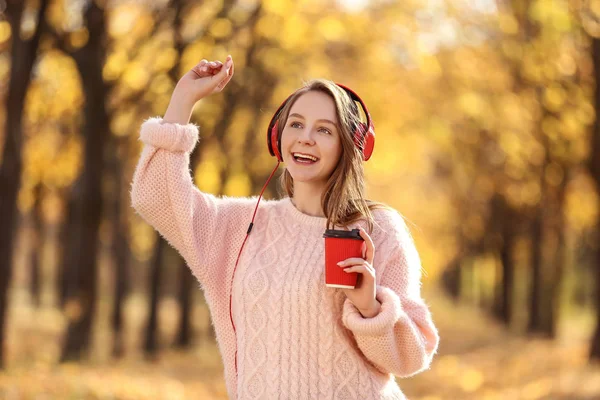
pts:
[503, 234]
[538, 76]
[120, 197]
[594, 168]
[150, 331]
[37, 244]
[82, 249]
[67, 231]
[120, 243]
[23, 54]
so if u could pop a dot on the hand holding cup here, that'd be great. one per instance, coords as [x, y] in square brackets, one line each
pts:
[363, 294]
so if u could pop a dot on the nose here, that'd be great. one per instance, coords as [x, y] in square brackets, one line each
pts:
[306, 136]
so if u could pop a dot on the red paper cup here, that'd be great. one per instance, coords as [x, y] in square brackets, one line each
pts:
[339, 246]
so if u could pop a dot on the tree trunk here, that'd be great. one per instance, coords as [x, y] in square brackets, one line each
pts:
[583, 295]
[65, 236]
[451, 278]
[503, 304]
[496, 244]
[119, 248]
[538, 308]
[536, 272]
[22, 57]
[81, 298]
[557, 265]
[595, 344]
[185, 297]
[151, 340]
[508, 278]
[594, 167]
[37, 246]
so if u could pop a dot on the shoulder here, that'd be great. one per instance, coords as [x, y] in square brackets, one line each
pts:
[391, 228]
[389, 220]
[394, 243]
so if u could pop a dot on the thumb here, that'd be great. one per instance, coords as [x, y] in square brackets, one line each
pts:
[224, 70]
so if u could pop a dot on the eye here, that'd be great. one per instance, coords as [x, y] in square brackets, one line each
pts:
[294, 123]
[326, 130]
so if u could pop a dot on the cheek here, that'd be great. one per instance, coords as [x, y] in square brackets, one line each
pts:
[285, 137]
[335, 151]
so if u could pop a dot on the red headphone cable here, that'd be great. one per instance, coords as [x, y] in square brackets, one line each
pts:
[238, 259]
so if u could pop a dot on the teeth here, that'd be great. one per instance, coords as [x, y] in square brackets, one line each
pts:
[304, 156]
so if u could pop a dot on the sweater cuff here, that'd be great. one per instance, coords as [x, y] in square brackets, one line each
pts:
[169, 135]
[381, 323]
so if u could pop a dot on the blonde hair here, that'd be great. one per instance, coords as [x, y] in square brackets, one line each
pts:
[343, 200]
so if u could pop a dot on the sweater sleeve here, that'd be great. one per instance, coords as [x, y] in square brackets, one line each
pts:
[401, 339]
[206, 230]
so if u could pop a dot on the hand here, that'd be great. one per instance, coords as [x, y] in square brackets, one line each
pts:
[205, 78]
[363, 295]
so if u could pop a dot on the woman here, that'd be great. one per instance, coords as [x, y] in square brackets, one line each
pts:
[282, 333]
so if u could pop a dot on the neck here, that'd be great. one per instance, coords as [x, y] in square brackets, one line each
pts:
[307, 199]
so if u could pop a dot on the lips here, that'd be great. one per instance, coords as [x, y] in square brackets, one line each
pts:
[303, 161]
[307, 156]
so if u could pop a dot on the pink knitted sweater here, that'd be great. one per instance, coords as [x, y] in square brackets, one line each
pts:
[295, 337]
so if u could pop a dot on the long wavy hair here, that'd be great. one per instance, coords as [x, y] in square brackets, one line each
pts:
[343, 201]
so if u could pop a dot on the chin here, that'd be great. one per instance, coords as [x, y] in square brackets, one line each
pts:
[300, 178]
[307, 179]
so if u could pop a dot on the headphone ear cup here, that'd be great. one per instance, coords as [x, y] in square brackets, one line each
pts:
[369, 144]
[273, 143]
[364, 137]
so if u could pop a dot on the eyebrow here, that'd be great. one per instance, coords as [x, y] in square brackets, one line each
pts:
[322, 119]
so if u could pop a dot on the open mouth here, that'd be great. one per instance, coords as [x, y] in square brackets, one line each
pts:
[304, 160]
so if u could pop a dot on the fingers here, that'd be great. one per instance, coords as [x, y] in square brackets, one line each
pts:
[208, 68]
[361, 269]
[370, 251]
[229, 73]
[219, 73]
[214, 66]
[352, 261]
[225, 74]
[356, 264]
[198, 69]
[231, 67]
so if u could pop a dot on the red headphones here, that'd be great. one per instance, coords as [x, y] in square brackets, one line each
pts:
[364, 132]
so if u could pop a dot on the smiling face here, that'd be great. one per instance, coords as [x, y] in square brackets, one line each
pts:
[312, 129]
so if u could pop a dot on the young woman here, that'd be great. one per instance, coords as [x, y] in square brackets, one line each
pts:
[281, 331]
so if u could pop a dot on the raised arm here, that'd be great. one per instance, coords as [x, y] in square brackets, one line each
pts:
[205, 229]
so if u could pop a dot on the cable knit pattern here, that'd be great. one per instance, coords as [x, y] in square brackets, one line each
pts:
[296, 338]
